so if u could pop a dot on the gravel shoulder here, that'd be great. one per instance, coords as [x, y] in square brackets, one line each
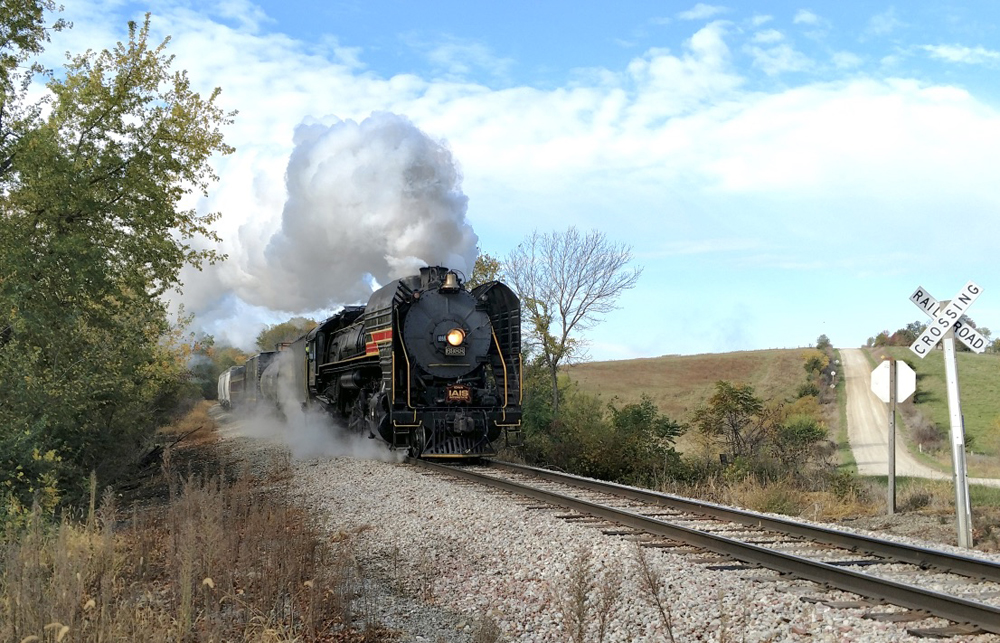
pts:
[447, 561]
[484, 554]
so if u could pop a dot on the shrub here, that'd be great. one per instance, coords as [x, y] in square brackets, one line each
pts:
[631, 444]
[844, 485]
[925, 433]
[807, 389]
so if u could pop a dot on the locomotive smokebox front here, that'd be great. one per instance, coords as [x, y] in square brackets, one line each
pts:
[445, 334]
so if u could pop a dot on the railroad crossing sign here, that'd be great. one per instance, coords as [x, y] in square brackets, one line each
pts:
[945, 320]
[964, 332]
[941, 327]
[906, 381]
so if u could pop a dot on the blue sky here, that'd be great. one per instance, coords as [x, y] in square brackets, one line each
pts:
[781, 170]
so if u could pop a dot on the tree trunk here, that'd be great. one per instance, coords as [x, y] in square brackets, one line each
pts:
[554, 370]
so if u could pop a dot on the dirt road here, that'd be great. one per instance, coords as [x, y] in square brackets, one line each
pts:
[867, 427]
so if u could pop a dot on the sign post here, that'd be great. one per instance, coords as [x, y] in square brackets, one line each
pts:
[892, 439]
[963, 508]
[893, 381]
[945, 325]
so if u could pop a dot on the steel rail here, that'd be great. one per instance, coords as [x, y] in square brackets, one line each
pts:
[920, 556]
[952, 608]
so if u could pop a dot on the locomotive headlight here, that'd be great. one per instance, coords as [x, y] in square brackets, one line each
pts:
[455, 336]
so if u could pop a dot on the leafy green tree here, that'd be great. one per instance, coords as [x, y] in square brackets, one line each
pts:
[796, 438]
[23, 34]
[738, 418]
[823, 343]
[566, 282]
[906, 335]
[91, 234]
[633, 443]
[814, 361]
[485, 270]
[642, 442]
[289, 331]
[802, 435]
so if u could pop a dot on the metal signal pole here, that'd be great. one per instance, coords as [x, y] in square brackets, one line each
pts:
[963, 509]
[892, 437]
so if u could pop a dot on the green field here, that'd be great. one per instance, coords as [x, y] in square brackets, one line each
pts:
[979, 388]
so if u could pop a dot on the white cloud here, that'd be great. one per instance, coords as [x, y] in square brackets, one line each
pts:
[666, 85]
[846, 60]
[458, 59]
[884, 23]
[805, 17]
[768, 36]
[673, 146]
[244, 13]
[860, 139]
[959, 54]
[701, 11]
[779, 59]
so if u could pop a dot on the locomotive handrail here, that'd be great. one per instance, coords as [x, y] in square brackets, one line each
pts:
[503, 362]
[406, 356]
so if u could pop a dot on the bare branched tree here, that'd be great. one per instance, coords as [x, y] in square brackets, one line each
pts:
[567, 281]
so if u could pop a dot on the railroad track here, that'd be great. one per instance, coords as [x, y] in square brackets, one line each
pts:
[882, 571]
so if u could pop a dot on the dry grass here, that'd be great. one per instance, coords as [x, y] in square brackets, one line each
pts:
[196, 429]
[588, 597]
[856, 497]
[679, 384]
[653, 591]
[220, 557]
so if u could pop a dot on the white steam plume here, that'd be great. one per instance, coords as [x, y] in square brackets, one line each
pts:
[366, 201]
[306, 432]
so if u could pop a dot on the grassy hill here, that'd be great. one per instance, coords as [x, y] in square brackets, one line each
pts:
[979, 387]
[678, 384]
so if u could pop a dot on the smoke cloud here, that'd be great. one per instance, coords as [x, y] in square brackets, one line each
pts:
[369, 201]
[306, 432]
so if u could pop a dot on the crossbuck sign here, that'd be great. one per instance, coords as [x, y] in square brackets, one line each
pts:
[943, 323]
[947, 319]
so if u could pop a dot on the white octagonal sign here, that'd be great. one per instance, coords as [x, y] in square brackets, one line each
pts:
[906, 381]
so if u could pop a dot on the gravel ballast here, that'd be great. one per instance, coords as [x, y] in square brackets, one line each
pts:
[446, 558]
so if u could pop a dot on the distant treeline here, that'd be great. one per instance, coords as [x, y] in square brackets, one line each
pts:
[908, 334]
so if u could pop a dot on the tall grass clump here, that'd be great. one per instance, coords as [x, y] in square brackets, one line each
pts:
[588, 598]
[223, 559]
[652, 586]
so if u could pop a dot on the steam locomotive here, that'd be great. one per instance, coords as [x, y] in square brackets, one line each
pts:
[426, 365]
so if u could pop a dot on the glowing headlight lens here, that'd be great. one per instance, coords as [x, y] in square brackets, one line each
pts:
[456, 336]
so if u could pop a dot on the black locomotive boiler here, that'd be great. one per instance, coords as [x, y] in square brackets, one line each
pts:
[426, 365]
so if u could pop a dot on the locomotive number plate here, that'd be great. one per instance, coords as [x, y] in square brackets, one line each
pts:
[458, 393]
[456, 351]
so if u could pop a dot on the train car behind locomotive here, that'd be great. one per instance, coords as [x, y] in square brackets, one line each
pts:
[231, 387]
[426, 365]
